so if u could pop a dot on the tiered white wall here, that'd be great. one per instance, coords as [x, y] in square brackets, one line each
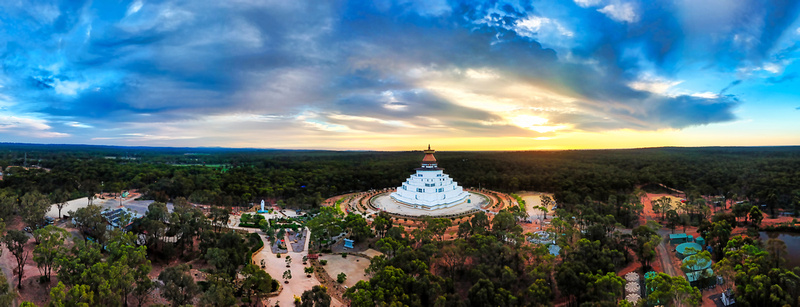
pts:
[430, 189]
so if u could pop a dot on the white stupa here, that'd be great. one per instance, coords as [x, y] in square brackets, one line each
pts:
[430, 188]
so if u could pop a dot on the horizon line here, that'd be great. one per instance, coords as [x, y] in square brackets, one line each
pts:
[371, 150]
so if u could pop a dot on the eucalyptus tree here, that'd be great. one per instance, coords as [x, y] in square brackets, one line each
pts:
[90, 222]
[316, 297]
[33, 206]
[219, 217]
[220, 292]
[15, 241]
[179, 287]
[51, 239]
[672, 291]
[756, 216]
[8, 203]
[257, 282]
[7, 294]
[325, 225]
[645, 241]
[60, 197]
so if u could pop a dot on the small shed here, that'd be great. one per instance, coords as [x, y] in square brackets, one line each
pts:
[700, 240]
[554, 249]
[727, 298]
[700, 278]
[678, 238]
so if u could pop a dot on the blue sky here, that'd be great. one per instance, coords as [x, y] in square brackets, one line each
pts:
[398, 75]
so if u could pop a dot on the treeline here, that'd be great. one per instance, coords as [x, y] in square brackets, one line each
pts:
[763, 175]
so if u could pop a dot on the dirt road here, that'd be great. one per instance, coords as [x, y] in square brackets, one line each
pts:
[662, 251]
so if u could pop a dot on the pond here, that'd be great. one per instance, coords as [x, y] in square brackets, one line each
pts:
[792, 241]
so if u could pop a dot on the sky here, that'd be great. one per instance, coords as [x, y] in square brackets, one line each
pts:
[398, 75]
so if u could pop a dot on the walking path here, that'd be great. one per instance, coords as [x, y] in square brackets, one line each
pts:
[298, 284]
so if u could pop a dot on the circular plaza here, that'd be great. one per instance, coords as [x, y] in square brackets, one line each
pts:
[474, 202]
[427, 192]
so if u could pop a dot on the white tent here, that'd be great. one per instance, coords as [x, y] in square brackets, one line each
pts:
[633, 298]
[632, 287]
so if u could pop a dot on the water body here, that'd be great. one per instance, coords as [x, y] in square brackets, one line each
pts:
[792, 241]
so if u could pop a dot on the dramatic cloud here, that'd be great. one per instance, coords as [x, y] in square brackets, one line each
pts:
[27, 127]
[295, 73]
[622, 12]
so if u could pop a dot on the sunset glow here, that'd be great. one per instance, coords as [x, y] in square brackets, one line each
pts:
[399, 75]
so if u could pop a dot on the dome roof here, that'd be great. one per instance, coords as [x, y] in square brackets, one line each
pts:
[429, 158]
[429, 161]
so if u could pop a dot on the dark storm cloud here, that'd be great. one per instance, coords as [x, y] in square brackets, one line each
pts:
[652, 113]
[684, 111]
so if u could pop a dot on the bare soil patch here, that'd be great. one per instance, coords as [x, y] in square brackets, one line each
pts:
[352, 266]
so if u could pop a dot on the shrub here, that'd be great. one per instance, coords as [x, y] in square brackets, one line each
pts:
[323, 262]
[278, 255]
[344, 255]
[255, 241]
[168, 251]
[341, 277]
[203, 285]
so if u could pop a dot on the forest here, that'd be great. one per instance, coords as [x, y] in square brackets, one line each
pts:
[237, 177]
[488, 264]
